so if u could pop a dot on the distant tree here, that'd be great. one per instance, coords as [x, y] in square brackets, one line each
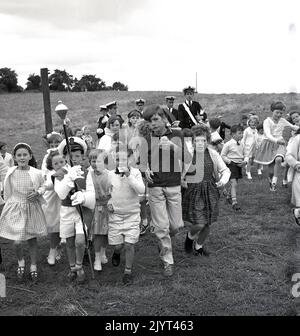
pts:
[60, 80]
[9, 80]
[91, 83]
[34, 82]
[118, 86]
[76, 86]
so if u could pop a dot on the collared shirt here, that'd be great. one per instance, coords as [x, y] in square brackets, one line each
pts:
[233, 151]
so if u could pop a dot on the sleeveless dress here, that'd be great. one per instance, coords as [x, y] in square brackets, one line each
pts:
[22, 219]
[200, 201]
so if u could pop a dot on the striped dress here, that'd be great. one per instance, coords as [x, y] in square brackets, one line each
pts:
[20, 218]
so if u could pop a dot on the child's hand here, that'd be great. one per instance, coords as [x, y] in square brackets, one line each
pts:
[148, 174]
[32, 196]
[78, 198]
[220, 184]
[297, 168]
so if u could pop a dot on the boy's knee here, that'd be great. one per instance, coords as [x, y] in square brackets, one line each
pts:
[80, 241]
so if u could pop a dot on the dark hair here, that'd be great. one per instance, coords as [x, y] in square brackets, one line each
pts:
[51, 155]
[76, 130]
[53, 137]
[201, 129]
[236, 128]
[215, 123]
[114, 118]
[2, 144]
[144, 127]
[151, 110]
[133, 113]
[32, 162]
[279, 105]
[187, 132]
[259, 127]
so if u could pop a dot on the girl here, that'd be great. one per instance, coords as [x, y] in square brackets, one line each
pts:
[293, 160]
[259, 139]
[114, 124]
[200, 203]
[124, 210]
[133, 120]
[86, 136]
[22, 217]
[99, 173]
[55, 162]
[272, 149]
[249, 141]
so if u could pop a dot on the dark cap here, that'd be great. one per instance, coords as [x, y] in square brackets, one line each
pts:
[188, 89]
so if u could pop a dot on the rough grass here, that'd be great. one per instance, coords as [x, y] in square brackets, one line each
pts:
[253, 253]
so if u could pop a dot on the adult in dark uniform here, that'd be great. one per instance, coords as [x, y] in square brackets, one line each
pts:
[102, 121]
[190, 112]
[111, 109]
[170, 112]
[140, 104]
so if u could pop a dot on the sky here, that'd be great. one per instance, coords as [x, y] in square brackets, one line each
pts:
[234, 46]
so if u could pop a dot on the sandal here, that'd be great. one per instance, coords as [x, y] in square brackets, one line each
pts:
[20, 272]
[34, 276]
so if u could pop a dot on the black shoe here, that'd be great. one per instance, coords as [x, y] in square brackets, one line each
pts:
[188, 244]
[202, 252]
[127, 279]
[116, 258]
[236, 207]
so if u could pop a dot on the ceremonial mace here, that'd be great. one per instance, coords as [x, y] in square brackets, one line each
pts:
[62, 111]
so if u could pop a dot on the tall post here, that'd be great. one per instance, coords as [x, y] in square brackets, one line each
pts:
[46, 99]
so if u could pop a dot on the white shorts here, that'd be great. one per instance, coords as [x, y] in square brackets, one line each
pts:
[123, 228]
[70, 222]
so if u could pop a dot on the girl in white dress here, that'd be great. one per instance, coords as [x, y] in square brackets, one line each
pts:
[22, 218]
[273, 147]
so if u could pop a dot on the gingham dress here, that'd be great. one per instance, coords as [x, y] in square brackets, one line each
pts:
[200, 201]
[21, 219]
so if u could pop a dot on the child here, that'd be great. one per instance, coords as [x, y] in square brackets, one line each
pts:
[78, 133]
[54, 163]
[200, 203]
[22, 218]
[6, 161]
[124, 209]
[272, 149]
[216, 142]
[99, 173]
[259, 139]
[86, 136]
[293, 160]
[233, 155]
[71, 226]
[133, 119]
[249, 141]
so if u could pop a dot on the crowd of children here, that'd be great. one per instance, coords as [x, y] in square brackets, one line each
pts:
[100, 191]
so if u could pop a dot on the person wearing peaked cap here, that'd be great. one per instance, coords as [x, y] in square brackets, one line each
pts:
[71, 225]
[76, 144]
[190, 112]
[170, 108]
[109, 110]
[140, 104]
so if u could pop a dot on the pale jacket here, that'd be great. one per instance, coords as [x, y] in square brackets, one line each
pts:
[273, 131]
[36, 178]
[292, 156]
[62, 189]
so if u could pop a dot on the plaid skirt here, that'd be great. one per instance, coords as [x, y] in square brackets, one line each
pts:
[200, 204]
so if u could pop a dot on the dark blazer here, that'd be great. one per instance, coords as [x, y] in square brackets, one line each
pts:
[223, 127]
[184, 118]
[169, 115]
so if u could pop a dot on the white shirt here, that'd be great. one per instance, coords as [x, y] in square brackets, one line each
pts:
[273, 131]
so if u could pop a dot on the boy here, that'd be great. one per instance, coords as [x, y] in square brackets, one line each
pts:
[216, 141]
[71, 226]
[233, 155]
[124, 209]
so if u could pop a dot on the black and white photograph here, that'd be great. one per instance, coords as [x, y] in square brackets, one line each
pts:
[150, 161]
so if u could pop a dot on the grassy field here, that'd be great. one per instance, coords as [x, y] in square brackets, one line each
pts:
[253, 253]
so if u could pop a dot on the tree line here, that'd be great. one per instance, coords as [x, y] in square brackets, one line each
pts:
[59, 80]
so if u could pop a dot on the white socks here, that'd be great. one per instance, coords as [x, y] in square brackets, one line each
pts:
[197, 246]
[274, 179]
[33, 268]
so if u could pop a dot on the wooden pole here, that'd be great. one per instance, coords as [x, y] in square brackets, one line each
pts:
[46, 99]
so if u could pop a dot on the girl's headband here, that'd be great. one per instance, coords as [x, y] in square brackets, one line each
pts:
[20, 144]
